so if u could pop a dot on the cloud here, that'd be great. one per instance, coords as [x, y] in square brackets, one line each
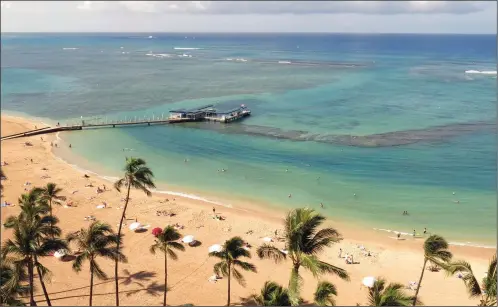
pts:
[291, 7]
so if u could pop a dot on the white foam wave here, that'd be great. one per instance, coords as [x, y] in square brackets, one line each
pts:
[186, 48]
[159, 55]
[284, 62]
[237, 60]
[185, 55]
[483, 72]
[470, 244]
[70, 48]
[193, 196]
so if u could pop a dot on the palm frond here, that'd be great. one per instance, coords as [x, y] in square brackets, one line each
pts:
[246, 266]
[267, 251]
[238, 277]
[324, 294]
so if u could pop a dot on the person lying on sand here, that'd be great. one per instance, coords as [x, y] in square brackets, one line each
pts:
[6, 204]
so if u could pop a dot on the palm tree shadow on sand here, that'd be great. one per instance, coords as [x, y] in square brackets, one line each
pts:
[128, 279]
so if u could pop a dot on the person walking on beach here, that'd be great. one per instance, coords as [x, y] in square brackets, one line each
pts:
[214, 211]
[340, 252]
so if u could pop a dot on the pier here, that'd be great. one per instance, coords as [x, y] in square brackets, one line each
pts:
[205, 113]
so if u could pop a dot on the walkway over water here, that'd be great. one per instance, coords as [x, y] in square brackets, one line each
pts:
[177, 116]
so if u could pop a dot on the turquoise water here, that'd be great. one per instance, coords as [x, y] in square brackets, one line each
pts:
[339, 87]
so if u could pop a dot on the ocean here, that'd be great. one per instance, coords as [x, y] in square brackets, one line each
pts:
[368, 125]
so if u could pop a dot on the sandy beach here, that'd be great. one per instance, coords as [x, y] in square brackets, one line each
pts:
[142, 277]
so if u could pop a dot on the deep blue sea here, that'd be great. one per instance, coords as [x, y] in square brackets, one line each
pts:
[368, 125]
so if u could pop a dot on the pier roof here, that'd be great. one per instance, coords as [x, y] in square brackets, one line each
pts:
[193, 110]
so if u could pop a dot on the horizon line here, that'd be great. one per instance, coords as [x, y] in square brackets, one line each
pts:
[242, 32]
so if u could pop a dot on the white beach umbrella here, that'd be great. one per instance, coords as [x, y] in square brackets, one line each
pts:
[135, 225]
[60, 253]
[215, 248]
[369, 281]
[267, 239]
[188, 239]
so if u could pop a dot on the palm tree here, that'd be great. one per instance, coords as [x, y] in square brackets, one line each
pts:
[33, 239]
[51, 192]
[138, 176]
[272, 294]
[487, 289]
[12, 273]
[99, 240]
[392, 295]
[435, 252]
[231, 251]
[42, 234]
[165, 242]
[303, 241]
[324, 294]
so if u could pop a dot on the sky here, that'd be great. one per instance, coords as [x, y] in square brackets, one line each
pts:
[464, 17]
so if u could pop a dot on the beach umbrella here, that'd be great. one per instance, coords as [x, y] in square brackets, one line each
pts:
[215, 248]
[188, 239]
[267, 239]
[60, 253]
[157, 231]
[369, 281]
[135, 225]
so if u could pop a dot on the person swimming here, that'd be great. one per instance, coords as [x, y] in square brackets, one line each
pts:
[290, 195]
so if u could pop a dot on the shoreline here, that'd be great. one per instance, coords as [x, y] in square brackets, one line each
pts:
[397, 260]
[241, 203]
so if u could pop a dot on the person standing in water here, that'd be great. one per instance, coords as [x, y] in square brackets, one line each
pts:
[414, 232]
[425, 230]
[321, 205]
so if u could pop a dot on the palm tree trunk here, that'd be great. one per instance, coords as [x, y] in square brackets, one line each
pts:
[51, 225]
[31, 283]
[229, 269]
[293, 286]
[119, 241]
[91, 282]
[419, 282]
[42, 283]
[165, 277]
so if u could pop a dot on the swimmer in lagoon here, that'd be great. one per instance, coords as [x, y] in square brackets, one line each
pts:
[290, 195]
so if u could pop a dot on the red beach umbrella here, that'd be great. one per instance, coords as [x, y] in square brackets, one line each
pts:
[157, 231]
